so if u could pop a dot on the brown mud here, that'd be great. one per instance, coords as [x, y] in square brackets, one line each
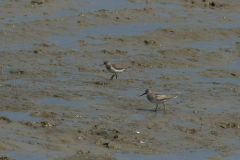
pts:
[58, 103]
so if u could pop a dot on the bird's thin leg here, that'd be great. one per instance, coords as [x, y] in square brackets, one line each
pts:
[156, 108]
[116, 75]
[112, 76]
[164, 106]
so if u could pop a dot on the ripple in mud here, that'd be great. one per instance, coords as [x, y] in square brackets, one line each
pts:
[38, 124]
[5, 119]
[6, 158]
[234, 156]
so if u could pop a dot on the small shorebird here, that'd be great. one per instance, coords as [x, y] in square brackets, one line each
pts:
[157, 98]
[114, 68]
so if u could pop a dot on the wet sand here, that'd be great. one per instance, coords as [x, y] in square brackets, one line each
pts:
[58, 103]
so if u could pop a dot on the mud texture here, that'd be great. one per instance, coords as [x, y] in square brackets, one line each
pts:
[56, 102]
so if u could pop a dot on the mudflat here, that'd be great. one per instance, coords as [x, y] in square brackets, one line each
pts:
[58, 103]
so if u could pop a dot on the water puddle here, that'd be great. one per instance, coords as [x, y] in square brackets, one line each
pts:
[14, 81]
[19, 116]
[18, 46]
[71, 41]
[26, 156]
[233, 142]
[59, 14]
[99, 99]
[217, 16]
[182, 14]
[235, 65]
[74, 123]
[111, 30]
[120, 30]
[62, 102]
[194, 72]
[89, 6]
[202, 154]
[128, 93]
[83, 6]
[214, 45]
[125, 30]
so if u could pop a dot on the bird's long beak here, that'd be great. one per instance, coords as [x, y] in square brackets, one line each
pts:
[142, 94]
[101, 64]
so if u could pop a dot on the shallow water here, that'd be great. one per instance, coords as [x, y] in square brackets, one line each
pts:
[185, 155]
[214, 45]
[110, 30]
[19, 116]
[14, 81]
[116, 104]
[235, 65]
[26, 156]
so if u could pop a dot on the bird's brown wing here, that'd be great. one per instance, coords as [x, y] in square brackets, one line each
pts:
[161, 97]
[118, 66]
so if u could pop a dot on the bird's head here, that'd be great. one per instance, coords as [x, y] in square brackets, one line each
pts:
[147, 91]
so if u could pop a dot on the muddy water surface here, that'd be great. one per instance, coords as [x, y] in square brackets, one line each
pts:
[58, 103]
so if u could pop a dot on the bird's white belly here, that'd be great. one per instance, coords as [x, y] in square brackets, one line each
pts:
[113, 70]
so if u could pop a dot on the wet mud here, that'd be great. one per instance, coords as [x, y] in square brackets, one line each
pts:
[58, 103]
